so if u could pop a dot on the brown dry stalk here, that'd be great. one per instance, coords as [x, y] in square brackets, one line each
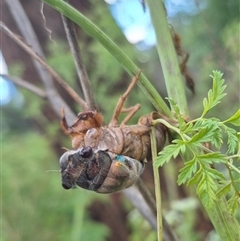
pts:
[34, 55]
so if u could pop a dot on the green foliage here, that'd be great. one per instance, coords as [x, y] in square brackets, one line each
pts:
[215, 94]
[193, 136]
[234, 120]
[61, 59]
[135, 220]
[183, 218]
[92, 30]
[35, 206]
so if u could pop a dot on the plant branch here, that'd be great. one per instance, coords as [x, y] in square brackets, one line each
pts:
[34, 55]
[233, 182]
[23, 83]
[167, 55]
[157, 186]
[81, 70]
[93, 31]
[27, 31]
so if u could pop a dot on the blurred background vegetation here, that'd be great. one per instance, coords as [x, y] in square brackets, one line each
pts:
[34, 205]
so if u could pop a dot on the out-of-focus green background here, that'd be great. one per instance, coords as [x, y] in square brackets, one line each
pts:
[34, 205]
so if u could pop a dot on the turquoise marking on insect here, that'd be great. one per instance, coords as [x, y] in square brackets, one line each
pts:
[120, 158]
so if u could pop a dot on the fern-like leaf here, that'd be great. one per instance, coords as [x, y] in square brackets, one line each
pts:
[232, 141]
[187, 171]
[215, 94]
[234, 119]
[167, 153]
[233, 202]
[206, 190]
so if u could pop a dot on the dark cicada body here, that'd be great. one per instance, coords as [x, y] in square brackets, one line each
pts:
[100, 171]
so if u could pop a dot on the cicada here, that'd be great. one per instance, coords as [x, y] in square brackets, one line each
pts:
[117, 150]
[98, 170]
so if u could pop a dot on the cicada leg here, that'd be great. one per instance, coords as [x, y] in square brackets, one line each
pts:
[122, 99]
[131, 111]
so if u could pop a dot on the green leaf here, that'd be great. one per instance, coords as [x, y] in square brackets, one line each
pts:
[234, 119]
[238, 145]
[196, 178]
[206, 190]
[215, 94]
[217, 140]
[187, 171]
[167, 153]
[232, 141]
[189, 128]
[224, 188]
[203, 123]
[205, 134]
[233, 203]
[212, 158]
[207, 130]
[214, 173]
[167, 55]
[182, 145]
[181, 121]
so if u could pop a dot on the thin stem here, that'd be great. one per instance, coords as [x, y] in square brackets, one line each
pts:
[81, 70]
[34, 55]
[23, 83]
[233, 156]
[139, 202]
[167, 55]
[93, 31]
[147, 195]
[230, 165]
[29, 35]
[233, 182]
[157, 186]
[169, 126]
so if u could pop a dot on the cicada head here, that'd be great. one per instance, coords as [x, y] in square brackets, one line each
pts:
[84, 168]
[98, 170]
[85, 121]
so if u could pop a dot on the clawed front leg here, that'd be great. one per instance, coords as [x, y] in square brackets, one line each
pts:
[122, 99]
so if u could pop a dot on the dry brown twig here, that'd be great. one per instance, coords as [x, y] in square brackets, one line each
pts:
[34, 55]
[80, 67]
[28, 33]
[26, 85]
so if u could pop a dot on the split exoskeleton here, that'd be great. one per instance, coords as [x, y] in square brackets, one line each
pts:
[109, 158]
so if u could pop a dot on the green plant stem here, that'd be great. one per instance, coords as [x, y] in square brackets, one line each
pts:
[167, 55]
[225, 224]
[230, 165]
[157, 186]
[233, 182]
[92, 30]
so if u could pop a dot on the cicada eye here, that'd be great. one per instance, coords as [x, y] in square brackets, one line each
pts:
[86, 152]
[83, 117]
[63, 161]
[66, 186]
